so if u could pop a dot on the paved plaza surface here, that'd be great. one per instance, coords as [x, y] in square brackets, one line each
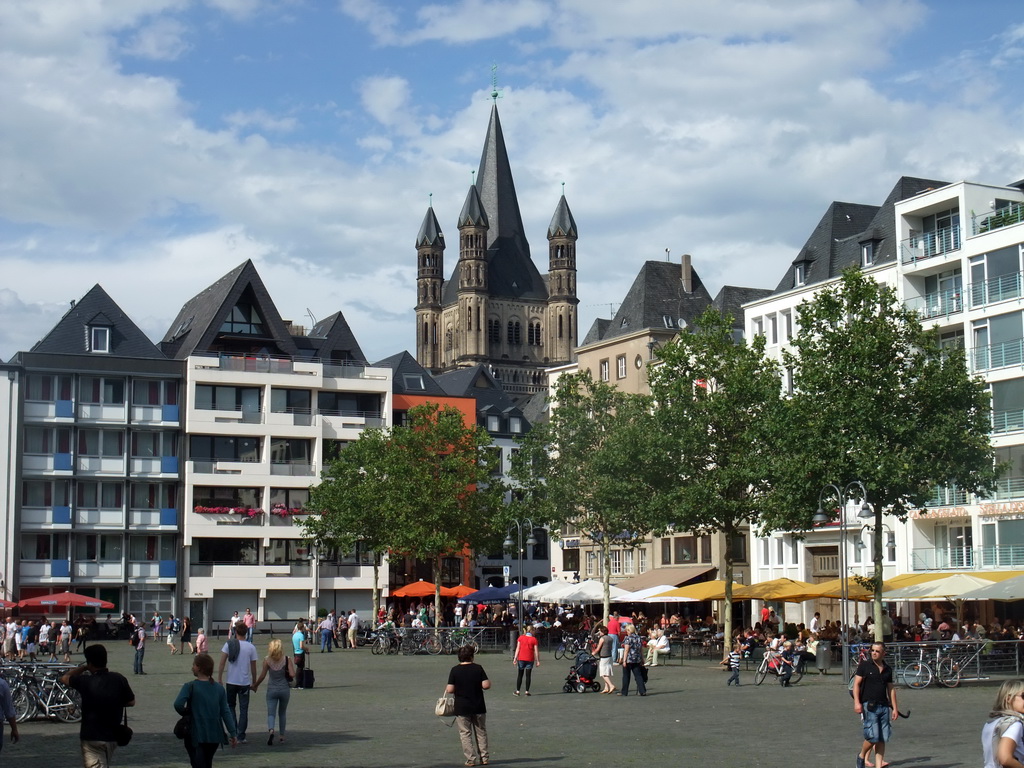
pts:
[371, 710]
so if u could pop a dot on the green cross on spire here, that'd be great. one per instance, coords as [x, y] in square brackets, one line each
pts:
[495, 90]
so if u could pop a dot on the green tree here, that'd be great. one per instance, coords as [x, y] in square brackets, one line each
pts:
[355, 500]
[717, 404]
[424, 490]
[877, 399]
[587, 466]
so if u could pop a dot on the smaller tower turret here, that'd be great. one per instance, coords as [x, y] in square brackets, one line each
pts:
[561, 327]
[429, 280]
[471, 338]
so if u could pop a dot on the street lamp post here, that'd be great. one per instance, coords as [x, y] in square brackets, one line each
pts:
[821, 517]
[520, 526]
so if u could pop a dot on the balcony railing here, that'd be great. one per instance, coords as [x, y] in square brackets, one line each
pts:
[924, 245]
[938, 304]
[1008, 489]
[292, 468]
[995, 289]
[1004, 217]
[946, 496]
[235, 413]
[1001, 355]
[1007, 421]
[967, 558]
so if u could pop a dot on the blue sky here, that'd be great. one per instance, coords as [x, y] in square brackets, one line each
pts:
[153, 145]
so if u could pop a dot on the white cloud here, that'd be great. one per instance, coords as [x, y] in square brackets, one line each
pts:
[161, 40]
[261, 119]
[386, 98]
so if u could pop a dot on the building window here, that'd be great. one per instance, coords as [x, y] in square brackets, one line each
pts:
[627, 562]
[515, 332]
[799, 274]
[739, 548]
[47, 389]
[515, 425]
[244, 319]
[616, 564]
[591, 559]
[153, 392]
[757, 326]
[97, 391]
[99, 338]
[773, 329]
[787, 326]
[684, 549]
[604, 371]
[705, 549]
[620, 366]
[534, 335]
[666, 551]
[641, 566]
[867, 254]
[571, 560]
[494, 331]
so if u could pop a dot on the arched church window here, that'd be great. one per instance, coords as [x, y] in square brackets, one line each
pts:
[515, 334]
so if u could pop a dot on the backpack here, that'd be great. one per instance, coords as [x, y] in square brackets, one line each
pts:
[134, 638]
[175, 625]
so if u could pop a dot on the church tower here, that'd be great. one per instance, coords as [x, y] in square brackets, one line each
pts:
[562, 301]
[429, 280]
[497, 308]
[471, 343]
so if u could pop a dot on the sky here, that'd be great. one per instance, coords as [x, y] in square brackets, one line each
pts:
[151, 146]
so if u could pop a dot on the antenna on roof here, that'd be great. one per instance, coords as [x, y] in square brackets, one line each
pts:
[495, 90]
[668, 256]
[312, 320]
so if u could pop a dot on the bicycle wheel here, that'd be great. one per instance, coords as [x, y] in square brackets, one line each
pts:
[393, 646]
[798, 674]
[380, 645]
[917, 674]
[68, 708]
[761, 673]
[947, 673]
[560, 652]
[432, 644]
[24, 704]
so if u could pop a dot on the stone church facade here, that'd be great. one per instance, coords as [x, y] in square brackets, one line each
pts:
[496, 308]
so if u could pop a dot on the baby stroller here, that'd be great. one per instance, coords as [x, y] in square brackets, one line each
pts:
[582, 674]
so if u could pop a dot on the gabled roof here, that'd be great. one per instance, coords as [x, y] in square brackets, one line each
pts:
[198, 324]
[835, 243]
[333, 340]
[477, 382]
[511, 272]
[562, 223]
[597, 331]
[402, 365]
[430, 231]
[731, 298]
[70, 335]
[656, 300]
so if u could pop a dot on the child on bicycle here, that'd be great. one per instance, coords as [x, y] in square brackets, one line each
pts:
[786, 661]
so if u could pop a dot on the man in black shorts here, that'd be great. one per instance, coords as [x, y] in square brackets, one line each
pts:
[874, 699]
[105, 694]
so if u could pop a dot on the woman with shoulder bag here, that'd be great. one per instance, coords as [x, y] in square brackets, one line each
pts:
[468, 681]
[1002, 738]
[279, 667]
[210, 715]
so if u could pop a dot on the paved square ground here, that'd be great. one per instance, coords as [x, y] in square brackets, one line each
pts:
[379, 711]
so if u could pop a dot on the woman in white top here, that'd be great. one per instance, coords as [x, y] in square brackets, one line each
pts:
[1002, 738]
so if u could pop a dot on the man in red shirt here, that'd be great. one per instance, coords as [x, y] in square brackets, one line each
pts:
[614, 630]
[527, 654]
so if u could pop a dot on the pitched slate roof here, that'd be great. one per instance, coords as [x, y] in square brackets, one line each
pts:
[478, 383]
[430, 231]
[198, 324]
[835, 243]
[657, 300]
[70, 335]
[511, 272]
[597, 331]
[332, 340]
[473, 213]
[731, 298]
[562, 222]
[403, 364]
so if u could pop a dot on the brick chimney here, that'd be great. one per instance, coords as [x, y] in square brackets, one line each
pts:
[686, 274]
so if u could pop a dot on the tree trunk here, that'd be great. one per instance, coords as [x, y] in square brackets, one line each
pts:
[877, 540]
[727, 532]
[606, 576]
[376, 590]
[437, 590]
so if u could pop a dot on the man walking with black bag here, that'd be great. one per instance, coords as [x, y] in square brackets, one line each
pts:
[104, 694]
[240, 657]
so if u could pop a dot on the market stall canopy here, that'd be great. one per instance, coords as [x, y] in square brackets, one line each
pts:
[491, 594]
[779, 590]
[65, 600]
[1007, 590]
[674, 576]
[7, 604]
[460, 591]
[639, 595]
[590, 591]
[834, 588]
[949, 588]
[418, 589]
[705, 590]
[537, 591]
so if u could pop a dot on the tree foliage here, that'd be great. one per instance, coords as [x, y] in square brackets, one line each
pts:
[877, 399]
[589, 466]
[718, 402]
[424, 490]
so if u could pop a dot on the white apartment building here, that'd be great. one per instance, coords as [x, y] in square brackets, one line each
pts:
[953, 252]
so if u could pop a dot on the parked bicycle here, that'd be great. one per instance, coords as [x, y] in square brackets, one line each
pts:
[571, 644]
[772, 664]
[36, 690]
